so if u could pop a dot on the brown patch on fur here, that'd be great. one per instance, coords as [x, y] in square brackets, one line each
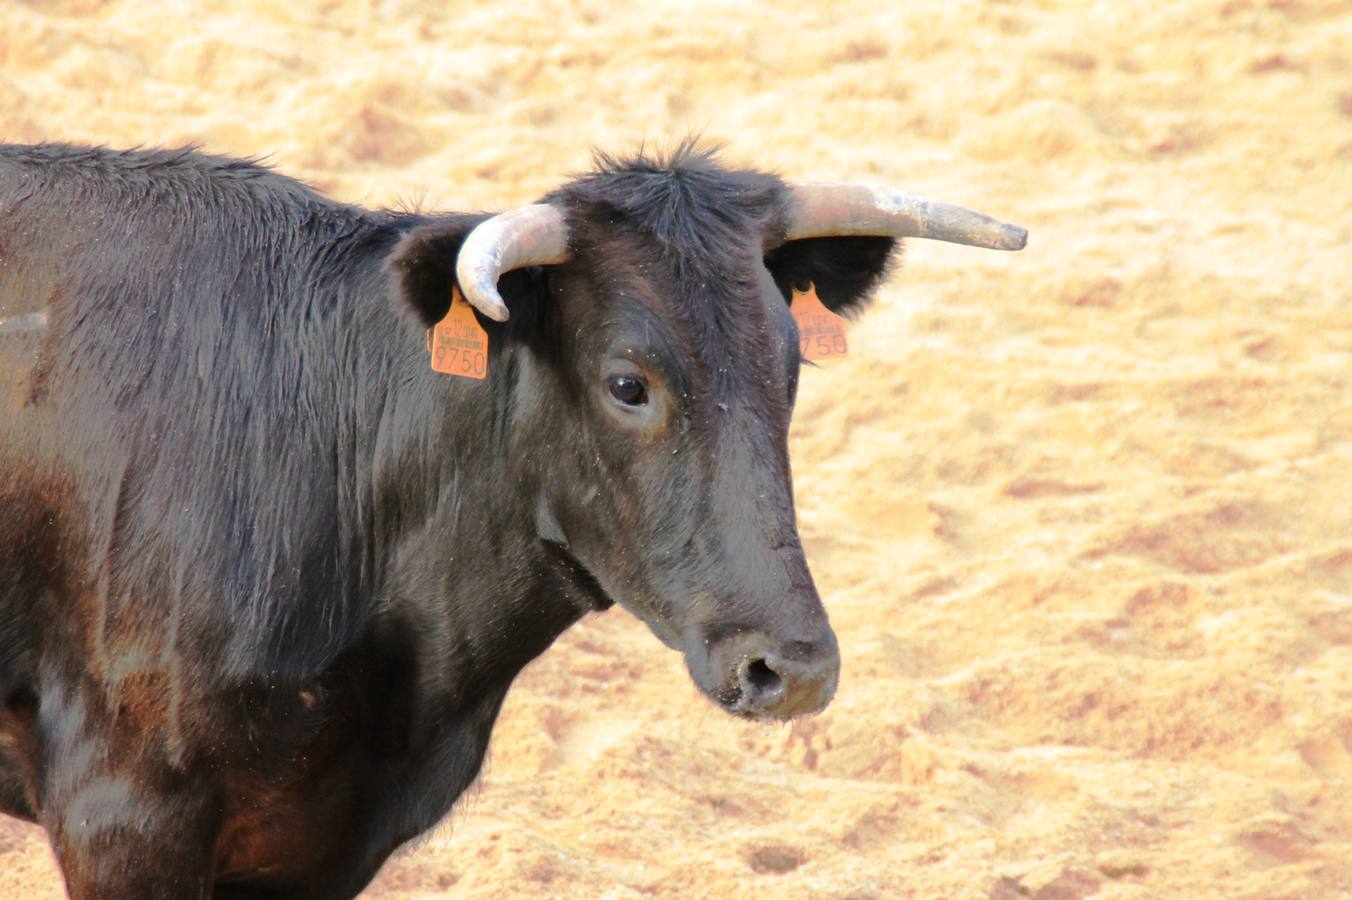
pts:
[265, 829]
[140, 698]
[18, 744]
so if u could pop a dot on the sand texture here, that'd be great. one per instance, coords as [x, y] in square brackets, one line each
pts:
[1081, 515]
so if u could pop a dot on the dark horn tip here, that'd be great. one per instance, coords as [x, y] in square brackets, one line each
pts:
[1013, 238]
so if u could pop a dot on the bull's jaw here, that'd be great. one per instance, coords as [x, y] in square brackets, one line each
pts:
[583, 586]
[580, 582]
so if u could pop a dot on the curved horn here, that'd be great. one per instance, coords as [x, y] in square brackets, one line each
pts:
[824, 210]
[532, 235]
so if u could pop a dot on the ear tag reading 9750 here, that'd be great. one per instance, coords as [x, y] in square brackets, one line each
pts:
[821, 333]
[458, 343]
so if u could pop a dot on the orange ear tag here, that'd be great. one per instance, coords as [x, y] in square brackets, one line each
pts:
[458, 343]
[821, 333]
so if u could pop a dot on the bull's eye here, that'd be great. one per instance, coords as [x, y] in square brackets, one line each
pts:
[628, 390]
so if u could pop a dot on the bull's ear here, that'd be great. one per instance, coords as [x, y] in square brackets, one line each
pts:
[845, 270]
[422, 265]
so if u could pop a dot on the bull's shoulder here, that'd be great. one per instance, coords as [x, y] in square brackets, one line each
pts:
[192, 304]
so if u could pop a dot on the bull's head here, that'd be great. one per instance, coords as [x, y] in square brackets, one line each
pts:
[656, 372]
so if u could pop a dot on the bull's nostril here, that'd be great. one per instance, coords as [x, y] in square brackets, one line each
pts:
[756, 676]
[762, 683]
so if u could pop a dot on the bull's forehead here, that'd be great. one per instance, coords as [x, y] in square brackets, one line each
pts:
[682, 236]
[730, 334]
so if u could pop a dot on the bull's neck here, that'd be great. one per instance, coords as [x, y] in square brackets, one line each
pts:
[452, 522]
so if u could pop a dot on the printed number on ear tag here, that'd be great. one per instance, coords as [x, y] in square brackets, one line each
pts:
[458, 343]
[821, 333]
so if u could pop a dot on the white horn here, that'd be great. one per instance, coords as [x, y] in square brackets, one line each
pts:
[533, 235]
[826, 210]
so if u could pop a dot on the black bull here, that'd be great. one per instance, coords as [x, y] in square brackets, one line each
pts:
[265, 578]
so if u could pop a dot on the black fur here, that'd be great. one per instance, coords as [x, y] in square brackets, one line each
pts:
[273, 576]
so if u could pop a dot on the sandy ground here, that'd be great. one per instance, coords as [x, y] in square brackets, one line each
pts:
[1080, 515]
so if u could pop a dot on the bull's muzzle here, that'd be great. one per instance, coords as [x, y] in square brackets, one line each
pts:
[751, 674]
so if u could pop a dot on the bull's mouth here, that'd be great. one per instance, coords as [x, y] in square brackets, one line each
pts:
[585, 589]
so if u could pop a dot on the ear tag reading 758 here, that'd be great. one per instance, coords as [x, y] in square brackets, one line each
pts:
[821, 333]
[458, 343]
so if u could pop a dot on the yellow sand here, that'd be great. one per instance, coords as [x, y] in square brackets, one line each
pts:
[1082, 515]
